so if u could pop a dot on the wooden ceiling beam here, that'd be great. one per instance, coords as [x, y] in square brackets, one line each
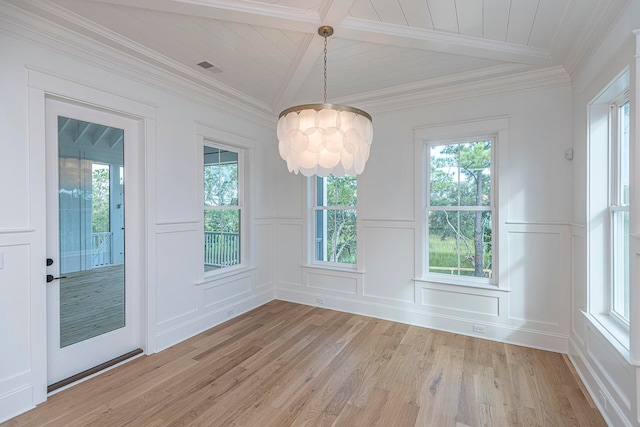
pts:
[332, 12]
[242, 12]
[82, 132]
[67, 121]
[102, 136]
[439, 41]
[335, 13]
[117, 141]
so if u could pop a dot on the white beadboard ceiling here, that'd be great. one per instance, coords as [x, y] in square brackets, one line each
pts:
[271, 55]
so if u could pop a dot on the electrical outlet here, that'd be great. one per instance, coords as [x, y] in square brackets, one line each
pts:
[603, 399]
[320, 301]
[479, 329]
[231, 312]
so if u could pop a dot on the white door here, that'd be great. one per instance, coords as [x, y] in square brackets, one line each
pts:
[93, 288]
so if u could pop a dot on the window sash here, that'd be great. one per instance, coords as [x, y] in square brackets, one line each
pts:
[619, 144]
[323, 252]
[619, 211]
[320, 243]
[463, 208]
[222, 208]
[334, 208]
[222, 159]
[619, 274]
[489, 207]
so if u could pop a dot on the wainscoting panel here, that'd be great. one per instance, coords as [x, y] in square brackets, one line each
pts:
[289, 242]
[613, 368]
[389, 263]
[539, 276]
[15, 303]
[264, 255]
[223, 292]
[16, 352]
[332, 281]
[461, 302]
[579, 279]
[176, 274]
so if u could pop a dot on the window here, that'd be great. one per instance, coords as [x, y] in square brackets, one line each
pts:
[335, 219]
[460, 208]
[100, 198]
[222, 207]
[619, 207]
[607, 228]
[101, 235]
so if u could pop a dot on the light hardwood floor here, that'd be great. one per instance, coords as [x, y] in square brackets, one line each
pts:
[287, 364]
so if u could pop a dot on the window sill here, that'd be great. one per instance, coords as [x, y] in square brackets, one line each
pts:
[461, 283]
[215, 276]
[614, 332]
[334, 267]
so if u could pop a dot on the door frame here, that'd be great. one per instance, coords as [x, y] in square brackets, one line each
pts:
[42, 86]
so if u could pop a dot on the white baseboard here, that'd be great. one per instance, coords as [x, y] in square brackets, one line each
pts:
[15, 402]
[196, 325]
[457, 325]
[611, 413]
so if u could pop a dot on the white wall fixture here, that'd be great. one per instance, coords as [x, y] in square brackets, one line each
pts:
[325, 139]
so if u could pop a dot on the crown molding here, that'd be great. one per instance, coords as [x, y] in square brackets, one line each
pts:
[143, 53]
[435, 83]
[95, 45]
[465, 86]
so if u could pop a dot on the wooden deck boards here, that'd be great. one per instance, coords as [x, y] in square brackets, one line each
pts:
[286, 364]
[92, 303]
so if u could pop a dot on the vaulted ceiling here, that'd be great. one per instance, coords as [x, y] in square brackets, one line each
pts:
[268, 55]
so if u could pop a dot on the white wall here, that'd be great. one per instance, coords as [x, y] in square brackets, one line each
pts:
[607, 369]
[532, 310]
[178, 307]
[544, 229]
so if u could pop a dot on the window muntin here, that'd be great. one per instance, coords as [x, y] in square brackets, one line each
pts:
[460, 208]
[222, 208]
[335, 220]
[619, 209]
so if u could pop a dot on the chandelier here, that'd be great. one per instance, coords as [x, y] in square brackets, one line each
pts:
[324, 139]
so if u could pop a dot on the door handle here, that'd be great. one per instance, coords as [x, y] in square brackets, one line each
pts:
[50, 278]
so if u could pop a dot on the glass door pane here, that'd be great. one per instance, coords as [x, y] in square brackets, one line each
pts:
[91, 226]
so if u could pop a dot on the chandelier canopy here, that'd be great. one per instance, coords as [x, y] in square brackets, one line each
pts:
[325, 139]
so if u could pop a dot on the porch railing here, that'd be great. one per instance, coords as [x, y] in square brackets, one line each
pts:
[101, 249]
[221, 249]
[453, 270]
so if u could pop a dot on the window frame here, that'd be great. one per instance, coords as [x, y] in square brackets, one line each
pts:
[496, 127]
[459, 208]
[212, 137]
[311, 223]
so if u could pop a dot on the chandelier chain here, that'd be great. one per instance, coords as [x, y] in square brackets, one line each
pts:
[325, 66]
[337, 138]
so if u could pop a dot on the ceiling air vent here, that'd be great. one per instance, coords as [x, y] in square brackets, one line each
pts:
[209, 66]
